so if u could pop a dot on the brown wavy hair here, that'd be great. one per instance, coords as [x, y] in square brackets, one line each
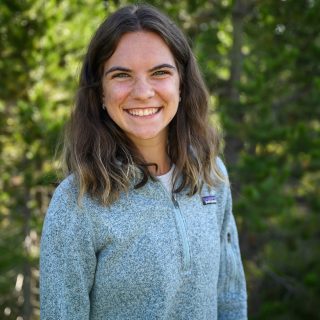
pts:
[99, 154]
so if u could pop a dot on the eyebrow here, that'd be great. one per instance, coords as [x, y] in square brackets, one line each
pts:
[118, 68]
[161, 66]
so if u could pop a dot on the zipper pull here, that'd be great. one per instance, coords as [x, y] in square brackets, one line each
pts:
[174, 200]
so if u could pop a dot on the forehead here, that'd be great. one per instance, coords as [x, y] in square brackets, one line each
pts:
[141, 47]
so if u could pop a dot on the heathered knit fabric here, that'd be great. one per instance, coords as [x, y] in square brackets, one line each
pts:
[146, 256]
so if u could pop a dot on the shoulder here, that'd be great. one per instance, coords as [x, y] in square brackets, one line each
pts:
[223, 187]
[66, 222]
[65, 216]
[221, 166]
[66, 195]
[67, 191]
[64, 202]
[223, 184]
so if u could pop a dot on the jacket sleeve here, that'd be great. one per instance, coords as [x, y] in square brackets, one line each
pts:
[232, 294]
[67, 260]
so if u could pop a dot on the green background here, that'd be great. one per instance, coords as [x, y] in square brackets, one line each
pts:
[261, 63]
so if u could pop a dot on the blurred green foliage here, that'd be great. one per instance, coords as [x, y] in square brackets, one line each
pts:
[260, 62]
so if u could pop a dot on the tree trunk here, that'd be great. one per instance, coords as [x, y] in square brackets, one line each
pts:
[234, 144]
[238, 14]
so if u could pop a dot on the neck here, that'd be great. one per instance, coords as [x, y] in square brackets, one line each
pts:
[155, 152]
[152, 154]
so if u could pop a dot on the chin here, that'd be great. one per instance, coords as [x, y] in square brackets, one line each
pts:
[146, 135]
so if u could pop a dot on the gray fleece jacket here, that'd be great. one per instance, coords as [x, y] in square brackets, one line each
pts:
[147, 256]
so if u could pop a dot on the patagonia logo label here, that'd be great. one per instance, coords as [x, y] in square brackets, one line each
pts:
[209, 200]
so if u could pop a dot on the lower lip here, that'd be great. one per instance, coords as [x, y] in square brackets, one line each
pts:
[146, 116]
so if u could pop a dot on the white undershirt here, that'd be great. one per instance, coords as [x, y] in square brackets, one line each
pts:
[166, 179]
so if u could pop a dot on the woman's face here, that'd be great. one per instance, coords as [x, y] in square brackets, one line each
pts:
[141, 87]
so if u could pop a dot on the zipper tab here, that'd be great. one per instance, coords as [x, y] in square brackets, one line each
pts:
[174, 200]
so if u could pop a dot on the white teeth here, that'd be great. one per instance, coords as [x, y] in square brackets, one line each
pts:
[142, 112]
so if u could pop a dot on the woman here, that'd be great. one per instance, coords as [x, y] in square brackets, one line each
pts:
[142, 227]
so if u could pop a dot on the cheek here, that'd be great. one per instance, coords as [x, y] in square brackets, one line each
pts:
[170, 91]
[114, 95]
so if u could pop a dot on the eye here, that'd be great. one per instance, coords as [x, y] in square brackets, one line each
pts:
[160, 73]
[120, 75]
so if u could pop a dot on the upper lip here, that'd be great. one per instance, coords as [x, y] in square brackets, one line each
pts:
[128, 109]
[143, 108]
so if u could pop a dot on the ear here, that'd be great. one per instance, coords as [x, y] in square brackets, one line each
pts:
[103, 102]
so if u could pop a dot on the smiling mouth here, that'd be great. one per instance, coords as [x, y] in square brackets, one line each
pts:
[143, 112]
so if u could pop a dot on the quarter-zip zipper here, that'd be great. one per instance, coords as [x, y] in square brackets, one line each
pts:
[181, 223]
[182, 230]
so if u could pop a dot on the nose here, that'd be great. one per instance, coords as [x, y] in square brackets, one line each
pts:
[142, 89]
